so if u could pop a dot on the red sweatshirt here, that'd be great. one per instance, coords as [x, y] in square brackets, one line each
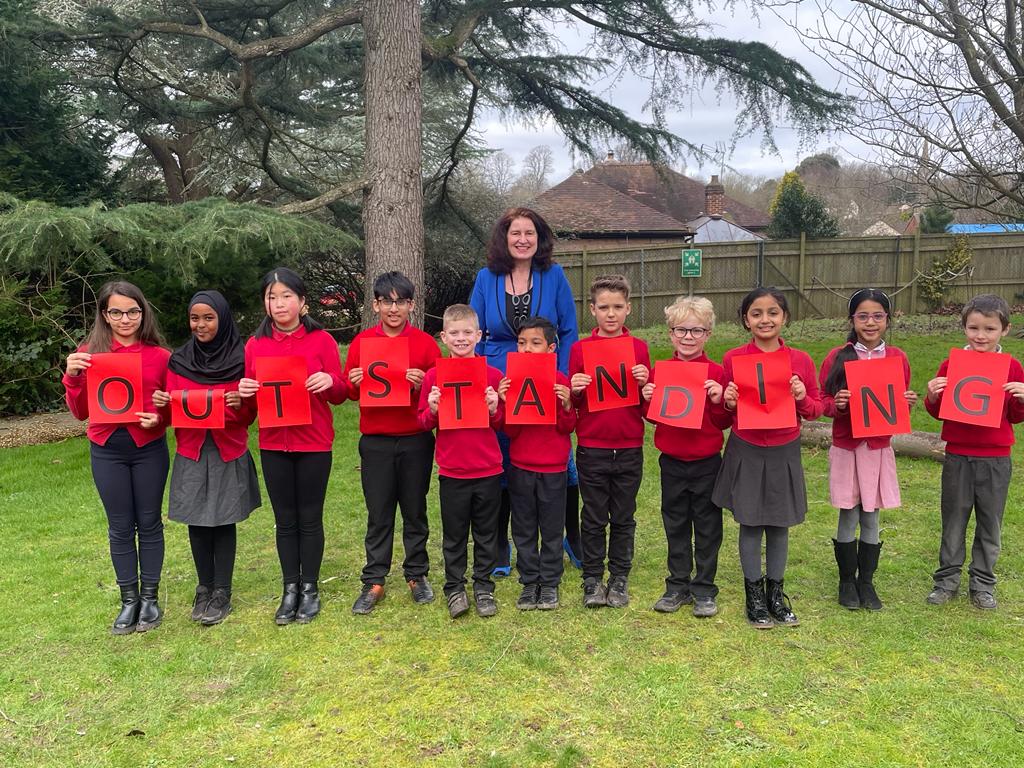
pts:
[809, 408]
[321, 354]
[465, 454]
[842, 432]
[616, 428]
[972, 440]
[543, 447]
[695, 444]
[392, 420]
[154, 376]
[231, 441]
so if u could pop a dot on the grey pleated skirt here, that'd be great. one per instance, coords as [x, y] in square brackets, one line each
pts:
[211, 491]
[762, 485]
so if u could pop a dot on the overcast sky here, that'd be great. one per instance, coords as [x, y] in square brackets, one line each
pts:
[706, 121]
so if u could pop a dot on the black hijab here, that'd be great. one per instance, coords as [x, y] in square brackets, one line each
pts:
[215, 362]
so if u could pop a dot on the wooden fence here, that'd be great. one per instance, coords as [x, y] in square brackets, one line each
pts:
[816, 275]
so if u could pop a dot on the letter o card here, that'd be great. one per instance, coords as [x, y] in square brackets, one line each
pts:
[679, 395]
[114, 388]
[765, 398]
[462, 381]
[385, 362]
[877, 406]
[197, 408]
[609, 362]
[282, 399]
[974, 388]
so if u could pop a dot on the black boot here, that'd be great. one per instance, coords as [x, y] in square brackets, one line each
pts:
[128, 618]
[846, 559]
[150, 613]
[867, 563]
[757, 608]
[778, 604]
[289, 604]
[309, 605]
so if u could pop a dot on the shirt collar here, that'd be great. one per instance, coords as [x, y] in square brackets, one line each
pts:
[999, 348]
[594, 334]
[877, 351]
[298, 333]
[378, 330]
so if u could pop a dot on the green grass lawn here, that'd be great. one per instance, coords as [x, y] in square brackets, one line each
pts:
[912, 685]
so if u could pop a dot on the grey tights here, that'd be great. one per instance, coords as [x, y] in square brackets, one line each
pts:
[848, 519]
[776, 551]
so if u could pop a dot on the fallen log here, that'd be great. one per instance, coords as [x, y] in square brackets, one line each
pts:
[918, 445]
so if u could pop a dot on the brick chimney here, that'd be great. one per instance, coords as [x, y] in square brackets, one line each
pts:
[714, 198]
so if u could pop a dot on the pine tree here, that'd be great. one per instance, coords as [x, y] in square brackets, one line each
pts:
[795, 210]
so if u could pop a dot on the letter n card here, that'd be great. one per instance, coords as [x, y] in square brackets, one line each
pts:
[609, 362]
[877, 406]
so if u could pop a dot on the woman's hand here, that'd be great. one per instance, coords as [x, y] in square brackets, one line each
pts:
[78, 362]
[248, 387]
[319, 382]
[161, 399]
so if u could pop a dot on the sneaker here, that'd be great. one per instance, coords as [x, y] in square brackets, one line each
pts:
[672, 600]
[528, 599]
[940, 596]
[458, 603]
[486, 606]
[594, 593]
[705, 607]
[503, 571]
[573, 559]
[986, 601]
[201, 601]
[422, 592]
[548, 600]
[368, 598]
[618, 592]
[218, 608]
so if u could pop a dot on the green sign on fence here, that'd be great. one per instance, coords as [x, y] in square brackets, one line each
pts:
[691, 262]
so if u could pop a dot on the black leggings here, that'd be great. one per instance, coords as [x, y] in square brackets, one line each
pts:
[297, 484]
[130, 481]
[213, 549]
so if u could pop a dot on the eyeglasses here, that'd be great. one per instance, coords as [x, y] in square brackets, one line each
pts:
[393, 302]
[116, 314]
[694, 333]
[863, 317]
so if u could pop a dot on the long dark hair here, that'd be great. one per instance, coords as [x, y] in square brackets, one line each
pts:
[291, 280]
[500, 261]
[757, 293]
[101, 338]
[836, 378]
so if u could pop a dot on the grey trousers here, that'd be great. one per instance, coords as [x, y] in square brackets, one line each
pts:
[981, 483]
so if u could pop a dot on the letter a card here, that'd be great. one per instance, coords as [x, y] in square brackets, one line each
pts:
[974, 388]
[462, 381]
[765, 398]
[384, 362]
[114, 387]
[609, 362]
[282, 399]
[531, 396]
[877, 405]
[679, 395]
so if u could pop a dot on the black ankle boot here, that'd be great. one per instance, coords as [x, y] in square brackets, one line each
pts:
[757, 608]
[778, 604]
[867, 563]
[128, 618]
[846, 559]
[289, 604]
[150, 614]
[309, 605]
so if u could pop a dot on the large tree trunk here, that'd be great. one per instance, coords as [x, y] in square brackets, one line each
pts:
[393, 200]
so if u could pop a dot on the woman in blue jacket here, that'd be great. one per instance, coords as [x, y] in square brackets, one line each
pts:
[521, 281]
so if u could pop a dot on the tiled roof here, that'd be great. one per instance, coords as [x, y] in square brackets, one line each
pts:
[584, 205]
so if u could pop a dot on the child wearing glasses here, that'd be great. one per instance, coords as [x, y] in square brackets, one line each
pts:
[862, 472]
[690, 460]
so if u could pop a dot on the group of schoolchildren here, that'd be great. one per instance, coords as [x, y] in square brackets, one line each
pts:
[759, 477]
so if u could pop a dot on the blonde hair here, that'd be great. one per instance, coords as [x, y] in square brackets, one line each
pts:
[677, 311]
[612, 283]
[457, 312]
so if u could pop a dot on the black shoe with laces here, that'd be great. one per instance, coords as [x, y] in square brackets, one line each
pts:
[218, 608]
[528, 598]
[778, 604]
[673, 600]
[201, 601]
[618, 592]
[594, 593]
[422, 592]
[757, 606]
[548, 599]
[370, 595]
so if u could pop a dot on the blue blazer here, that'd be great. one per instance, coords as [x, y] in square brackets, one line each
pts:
[550, 297]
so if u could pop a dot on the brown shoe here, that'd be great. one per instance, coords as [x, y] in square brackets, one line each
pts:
[369, 597]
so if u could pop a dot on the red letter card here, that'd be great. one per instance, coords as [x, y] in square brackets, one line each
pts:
[385, 362]
[462, 381]
[282, 400]
[609, 362]
[877, 405]
[114, 387]
[679, 395]
[765, 398]
[974, 390]
[531, 397]
[197, 408]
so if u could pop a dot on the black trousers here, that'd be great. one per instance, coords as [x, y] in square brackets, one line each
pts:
[396, 473]
[538, 510]
[297, 484]
[688, 513]
[609, 482]
[130, 481]
[213, 550]
[469, 505]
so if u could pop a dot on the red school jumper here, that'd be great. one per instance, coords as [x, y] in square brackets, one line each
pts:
[543, 447]
[394, 420]
[233, 440]
[695, 444]
[321, 354]
[154, 376]
[842, 431]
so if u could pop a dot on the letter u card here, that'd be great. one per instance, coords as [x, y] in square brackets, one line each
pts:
[198, 408]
